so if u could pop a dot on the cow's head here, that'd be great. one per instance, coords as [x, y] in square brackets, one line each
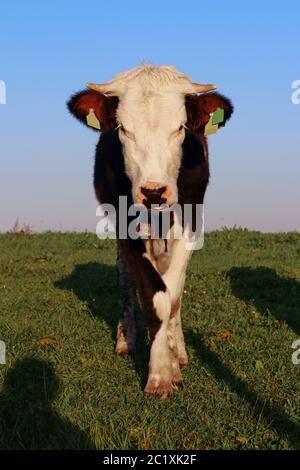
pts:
[152, 108]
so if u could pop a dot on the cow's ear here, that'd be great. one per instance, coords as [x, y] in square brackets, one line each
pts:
[199, 109]
[94, 109]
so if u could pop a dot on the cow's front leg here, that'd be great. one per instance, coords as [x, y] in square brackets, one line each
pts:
[126, 332]
[174, 279]
[160, 364]
[156, 305]
[173, 344]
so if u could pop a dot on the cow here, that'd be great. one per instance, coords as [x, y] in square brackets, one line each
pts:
[153, 150]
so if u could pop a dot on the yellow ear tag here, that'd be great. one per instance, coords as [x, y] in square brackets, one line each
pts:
[91, 120]
[211, 128]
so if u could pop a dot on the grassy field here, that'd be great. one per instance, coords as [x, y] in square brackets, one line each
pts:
[64, 387]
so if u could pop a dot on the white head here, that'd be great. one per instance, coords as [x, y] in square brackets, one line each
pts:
[150, 106]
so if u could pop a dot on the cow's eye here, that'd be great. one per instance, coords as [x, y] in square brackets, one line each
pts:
[178, 131]
[126, 133]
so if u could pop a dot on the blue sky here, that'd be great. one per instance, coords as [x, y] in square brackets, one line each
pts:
[50, 49]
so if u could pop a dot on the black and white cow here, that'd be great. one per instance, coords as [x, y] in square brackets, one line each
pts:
[152, 149]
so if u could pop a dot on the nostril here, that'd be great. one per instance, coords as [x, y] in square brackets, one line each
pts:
[153, 196]
[161, 190]
[150, 193]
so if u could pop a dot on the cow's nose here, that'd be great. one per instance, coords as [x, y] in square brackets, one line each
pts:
[153, 195]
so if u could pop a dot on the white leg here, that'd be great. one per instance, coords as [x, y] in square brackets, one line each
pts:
[160, 365]
[174, 279]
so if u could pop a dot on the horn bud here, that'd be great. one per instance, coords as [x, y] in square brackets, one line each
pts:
[100, 87]
[199, 88]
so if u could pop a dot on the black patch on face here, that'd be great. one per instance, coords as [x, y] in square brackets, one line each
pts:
[193, 151]
[110, 179]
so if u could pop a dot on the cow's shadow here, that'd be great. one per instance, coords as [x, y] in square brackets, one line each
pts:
[28, 421]
[268, 292]
[96, 284]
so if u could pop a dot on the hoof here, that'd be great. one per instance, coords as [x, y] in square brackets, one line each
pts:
[159, 386]
[130, 359]
[177, 382]
[123, 351]
[178, 386]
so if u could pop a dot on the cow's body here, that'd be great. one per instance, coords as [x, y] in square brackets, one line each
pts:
[155, 268]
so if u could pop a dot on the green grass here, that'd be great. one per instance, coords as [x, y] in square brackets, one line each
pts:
[241, 390]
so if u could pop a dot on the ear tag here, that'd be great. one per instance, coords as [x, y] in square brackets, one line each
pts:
[211, 128]
[218, 116]
[91, 120]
